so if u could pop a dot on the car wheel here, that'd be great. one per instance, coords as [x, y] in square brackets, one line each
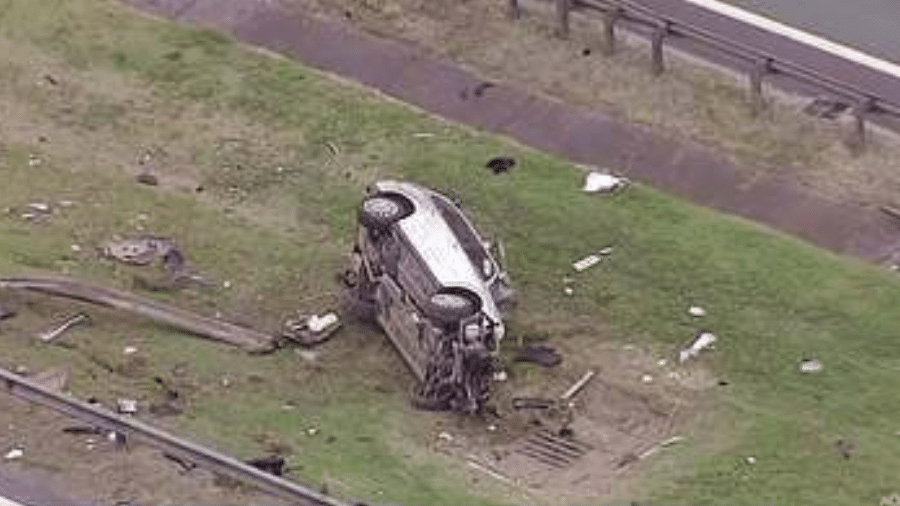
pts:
[450, 306]
[380, 211]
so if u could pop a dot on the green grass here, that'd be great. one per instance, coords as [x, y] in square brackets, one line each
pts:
[279, 236]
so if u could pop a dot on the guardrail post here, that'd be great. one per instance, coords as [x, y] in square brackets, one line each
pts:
[760, 68]
[513, 10]
[562, 17]
[857, 142]
[656, 43]
[610, 16]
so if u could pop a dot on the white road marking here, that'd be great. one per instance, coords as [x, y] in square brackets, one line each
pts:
[800, 36]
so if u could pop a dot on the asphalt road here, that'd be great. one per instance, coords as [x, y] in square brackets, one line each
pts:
[871, 26]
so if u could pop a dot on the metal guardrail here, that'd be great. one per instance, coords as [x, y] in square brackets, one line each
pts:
[761, 63]
[190, 452]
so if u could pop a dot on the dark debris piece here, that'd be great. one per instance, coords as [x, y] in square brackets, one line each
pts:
[271, 464]
[500, 164]
[541, 354]
[6, 312]
[147, 179]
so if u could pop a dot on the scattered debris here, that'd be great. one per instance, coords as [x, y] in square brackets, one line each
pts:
[500, 164]
[845, 447]
[810, 365]
[646, 378]
[533, 403]
[15, 453]
[311, 330]
[40, 207]
[490, 472]
[185, 465]
[272, 464]
[661, 362]
[445, 436]
[127, 406]
[591, 259]
[250, 340]
[313, 431]
[147, 179]
[568, 290]
[479, 90]
[80, 430]
[586, 262]
[6, 312]
[33, 161]
[578, 385]
[541, 354]
[142, 250]
[751, 460]
[54, 379]
[54, 333]
[601, 182]
[697, 311]
[129, 350]
[702, 341]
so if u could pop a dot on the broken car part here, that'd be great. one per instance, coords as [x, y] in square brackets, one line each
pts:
[541, 354]
[52, 334]
[436, 291]
[248, 339]
[702, 341]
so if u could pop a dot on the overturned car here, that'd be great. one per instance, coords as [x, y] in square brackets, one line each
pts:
[435, 289]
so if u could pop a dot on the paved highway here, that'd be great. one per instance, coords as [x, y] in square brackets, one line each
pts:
[871, 26]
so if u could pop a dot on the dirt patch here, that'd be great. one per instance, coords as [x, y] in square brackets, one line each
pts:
[592, 451]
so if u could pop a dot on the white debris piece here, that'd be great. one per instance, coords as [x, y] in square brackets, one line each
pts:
[697, 311]
[810, 365]
[127, 406]
[445, 436]
[751, 460]
[661, 362]
[423, 135]
[320, 323]
[600, 182]
[129, 350]
[500, 376]
[568, 291]
[41, 207]
[646, 378]
[15, 453]
[703, 341]
[586, 262]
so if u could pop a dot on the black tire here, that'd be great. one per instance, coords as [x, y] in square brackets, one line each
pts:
[380, 211]
[449, 306]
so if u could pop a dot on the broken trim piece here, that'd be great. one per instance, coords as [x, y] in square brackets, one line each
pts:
[250, 340]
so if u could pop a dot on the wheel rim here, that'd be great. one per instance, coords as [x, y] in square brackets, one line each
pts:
[381, 207]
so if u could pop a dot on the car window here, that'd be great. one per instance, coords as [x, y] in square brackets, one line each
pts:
[466, 236]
